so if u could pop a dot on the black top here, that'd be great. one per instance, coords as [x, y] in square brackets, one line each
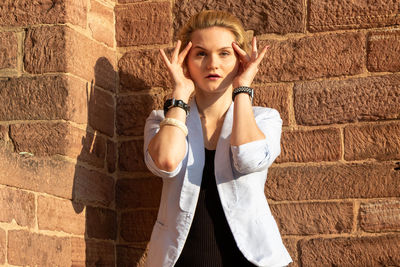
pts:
[210, 242]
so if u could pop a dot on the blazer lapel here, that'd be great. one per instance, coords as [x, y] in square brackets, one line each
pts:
[223, 168]
[195, 163]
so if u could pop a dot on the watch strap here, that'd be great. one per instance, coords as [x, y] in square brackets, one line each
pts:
[172, 102]
[243, 89]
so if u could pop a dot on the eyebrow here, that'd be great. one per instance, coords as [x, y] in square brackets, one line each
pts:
[222, 48]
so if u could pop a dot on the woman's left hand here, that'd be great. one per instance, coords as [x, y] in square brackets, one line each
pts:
[248, 64]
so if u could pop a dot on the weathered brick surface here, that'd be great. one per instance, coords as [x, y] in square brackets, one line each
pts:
[291, 246]
[61, 49]
[274, 96]
[25, 248]
[310, 145]
[26, 13]
[111, 156]
[92, 187]
[101, 23]
[101, 108]
[92, 252]
[59, 215]
[136, 226]
[260, 16]
[132, 112]
[127, 254]
[8, 50]
[143, 69]
[143, 23]
[363, 251]
[327, 102]
[33, 98]
[4, 129]
[138, 193]
[348, 14]
[336, 181]
[101, 223]
[3, 246]
[17, 205]
[37, 174]
[383, 48]
[381, 142]
[380, 216]
[319, 56]
[43, 139]
[313, 218]
[131, 156]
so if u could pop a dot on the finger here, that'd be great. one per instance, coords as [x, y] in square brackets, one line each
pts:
[184, 53]
[262, 54]
[176, 51]
[254, 53]
[242, 54]
[165, 58]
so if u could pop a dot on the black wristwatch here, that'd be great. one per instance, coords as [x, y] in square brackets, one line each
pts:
[170, 103]
[243, 89]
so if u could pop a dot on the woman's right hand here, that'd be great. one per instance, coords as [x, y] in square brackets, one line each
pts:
[184, 85]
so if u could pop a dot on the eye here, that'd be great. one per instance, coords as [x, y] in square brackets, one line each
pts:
[200, 54]
[225, 53]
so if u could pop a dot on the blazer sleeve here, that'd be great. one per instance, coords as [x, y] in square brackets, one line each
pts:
[259, 155]
[151, 128]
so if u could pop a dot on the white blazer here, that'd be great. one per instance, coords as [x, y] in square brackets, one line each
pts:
[240, 173]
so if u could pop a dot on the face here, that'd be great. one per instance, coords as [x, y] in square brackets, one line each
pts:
[212, 62]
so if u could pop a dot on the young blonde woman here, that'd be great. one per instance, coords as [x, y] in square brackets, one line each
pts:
[213, 153]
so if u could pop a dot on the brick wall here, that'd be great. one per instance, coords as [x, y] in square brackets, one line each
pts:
[58, 84]
[78, 79]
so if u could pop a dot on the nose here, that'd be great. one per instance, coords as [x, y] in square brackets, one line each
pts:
[212, 62]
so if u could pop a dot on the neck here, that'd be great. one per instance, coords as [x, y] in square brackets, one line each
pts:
[213, 106]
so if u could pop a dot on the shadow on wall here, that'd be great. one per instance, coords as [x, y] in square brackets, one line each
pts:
[94, 186]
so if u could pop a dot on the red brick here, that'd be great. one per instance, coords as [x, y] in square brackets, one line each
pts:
[34, 98]
[8, 50]
[313, 218]
[61, 49]
[359, 99]
[352, 251]
[383, 48]
[130, 255]
[291, 246]
[274, 96]
[27, 13]
[311, 57]
[92, 253]
[143, 23]
[333, 181]
[44, 139]
[310, 145]
[101, 22]
[25, 248]
[60, 215]
[136, 226]
[132, 112]
[378, 141]
[268, 16]
[92, 187]
[101, 111]
[143, 69]
[17, 205]
[3, 246]
[138, 193]
[111, 156]
[45, 175]
[380, 216]
[131, 157]
[348, 14]
[101, 223]
[4, 129]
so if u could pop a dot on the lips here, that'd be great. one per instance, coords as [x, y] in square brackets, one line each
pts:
[213, 76]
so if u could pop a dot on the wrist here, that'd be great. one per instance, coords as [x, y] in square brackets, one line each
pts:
[182, 94]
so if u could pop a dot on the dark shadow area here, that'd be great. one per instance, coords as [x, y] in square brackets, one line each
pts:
[94, 184]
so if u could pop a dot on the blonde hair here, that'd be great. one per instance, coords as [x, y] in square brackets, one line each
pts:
[213, 18]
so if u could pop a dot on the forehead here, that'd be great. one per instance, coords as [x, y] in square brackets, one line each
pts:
[212, 37]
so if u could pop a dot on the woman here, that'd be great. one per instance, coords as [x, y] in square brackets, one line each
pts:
[213, 214]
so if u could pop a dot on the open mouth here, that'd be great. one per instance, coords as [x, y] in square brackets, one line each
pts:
[213, 76]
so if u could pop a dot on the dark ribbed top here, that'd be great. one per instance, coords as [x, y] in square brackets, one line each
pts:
[210, 242]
